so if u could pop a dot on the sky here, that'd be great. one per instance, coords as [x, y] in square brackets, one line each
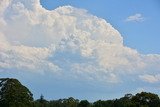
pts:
[85, 49]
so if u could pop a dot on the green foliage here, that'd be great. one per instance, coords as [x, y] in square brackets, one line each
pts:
[41, 102]
[84, 103]
[142, 99]
[70, 102]
[14, 94]
[146, 99]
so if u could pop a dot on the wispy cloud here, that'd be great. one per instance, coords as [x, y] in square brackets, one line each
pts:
[150, 78]
[135, 18]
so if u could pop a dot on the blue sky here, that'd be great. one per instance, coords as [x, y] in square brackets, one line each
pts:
[92, 49]
[143, 36]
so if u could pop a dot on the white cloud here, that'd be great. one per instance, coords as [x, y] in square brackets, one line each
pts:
[91, 72]
[135, 18]
[150, 78]
[25, 58]
[66, 39]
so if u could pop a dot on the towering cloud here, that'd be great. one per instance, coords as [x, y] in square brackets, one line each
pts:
[67, 40]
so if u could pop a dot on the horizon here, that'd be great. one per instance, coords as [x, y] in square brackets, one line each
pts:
[91, 49]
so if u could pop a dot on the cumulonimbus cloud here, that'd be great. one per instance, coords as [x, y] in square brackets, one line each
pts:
[67, 40]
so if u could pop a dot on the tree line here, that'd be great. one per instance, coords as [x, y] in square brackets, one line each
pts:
[14, 94]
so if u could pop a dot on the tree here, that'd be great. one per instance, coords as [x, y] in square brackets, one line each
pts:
[70, 102]
[99, 103]
[14, 94]
[56, 103]
[84, 103]
[41, 102]
[146, 99]
[126, 101]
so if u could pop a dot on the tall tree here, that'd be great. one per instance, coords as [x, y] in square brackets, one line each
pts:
[14, 94]
[146, 99]
[41, 102]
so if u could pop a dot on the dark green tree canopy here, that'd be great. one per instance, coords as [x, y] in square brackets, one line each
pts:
[144, 98]
[84, 103]
[14, 94]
